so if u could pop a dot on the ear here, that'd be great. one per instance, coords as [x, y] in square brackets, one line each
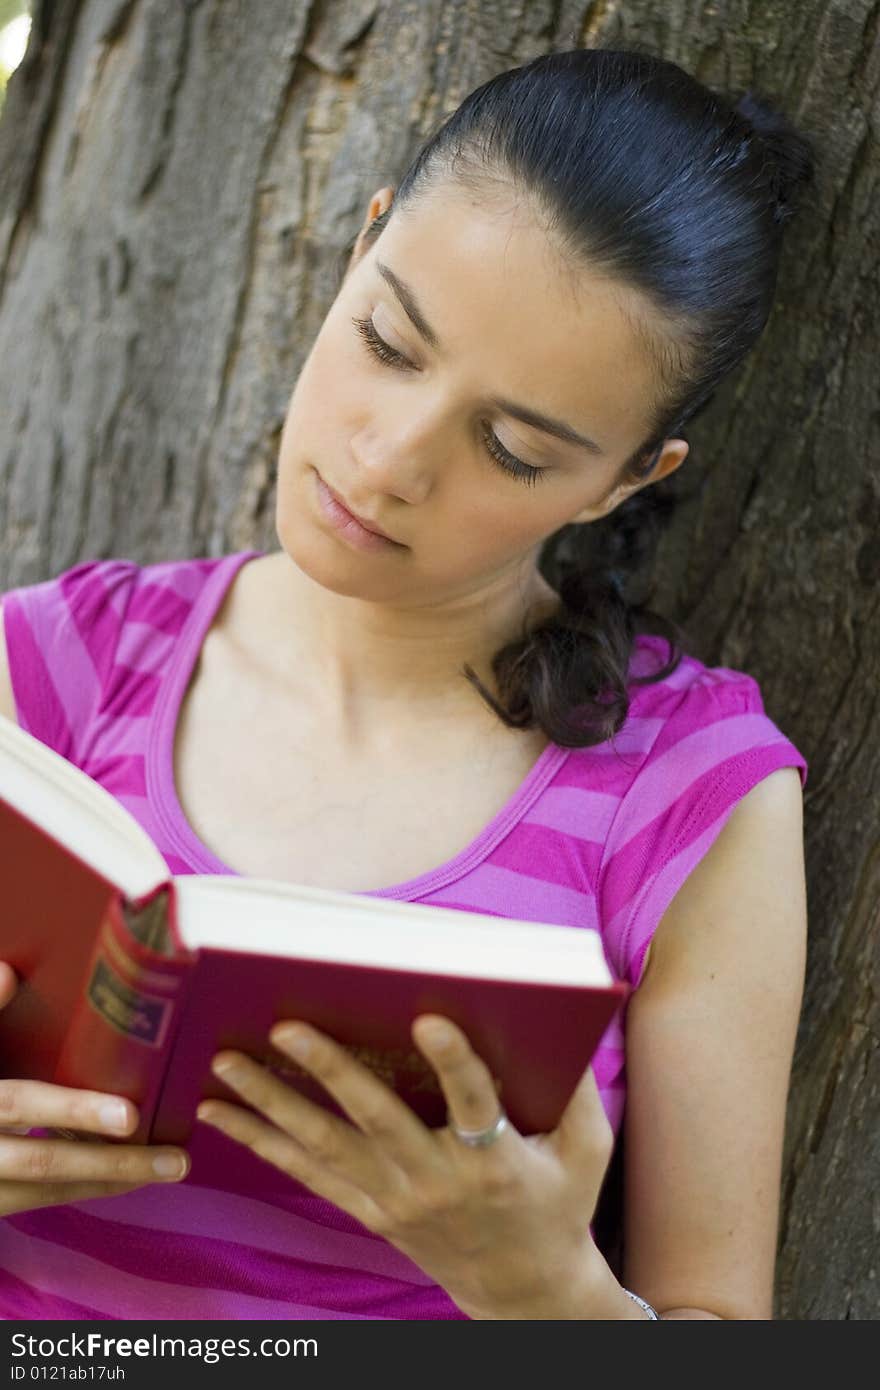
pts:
[673, 455]
[379, 203]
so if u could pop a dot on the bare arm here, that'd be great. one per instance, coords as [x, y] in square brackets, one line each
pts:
[710, 1039]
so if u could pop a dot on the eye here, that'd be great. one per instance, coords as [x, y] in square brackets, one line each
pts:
[513, 466]
[509, 462]
[378, 346]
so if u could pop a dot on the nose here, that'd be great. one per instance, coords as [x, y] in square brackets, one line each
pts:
[400, 457]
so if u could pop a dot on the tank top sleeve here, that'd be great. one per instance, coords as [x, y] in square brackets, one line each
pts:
[714, 743]
[61, 640]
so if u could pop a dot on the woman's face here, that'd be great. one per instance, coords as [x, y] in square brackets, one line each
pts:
[409, 443]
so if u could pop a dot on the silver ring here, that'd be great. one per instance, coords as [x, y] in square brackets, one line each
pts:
[481, 1138]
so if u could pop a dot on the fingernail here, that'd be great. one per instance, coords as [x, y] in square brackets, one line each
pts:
[170, 1166]
[436, 1034]
[113, 1114]
[225, 1066]
[293, 1040]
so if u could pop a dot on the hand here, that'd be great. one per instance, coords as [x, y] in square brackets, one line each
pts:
[503, 1229]
[45, 1172]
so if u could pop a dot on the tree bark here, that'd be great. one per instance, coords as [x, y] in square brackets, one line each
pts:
[177, 180]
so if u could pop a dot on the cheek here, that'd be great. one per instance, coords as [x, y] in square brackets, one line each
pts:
[485, 528]
[508, 517]
[332, 361]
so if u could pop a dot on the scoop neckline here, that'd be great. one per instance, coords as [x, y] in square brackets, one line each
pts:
[162, 789]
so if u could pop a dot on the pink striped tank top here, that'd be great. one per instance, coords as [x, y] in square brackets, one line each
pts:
[602, 837]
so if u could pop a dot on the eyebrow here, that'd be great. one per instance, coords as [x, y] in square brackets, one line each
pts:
[524, 413]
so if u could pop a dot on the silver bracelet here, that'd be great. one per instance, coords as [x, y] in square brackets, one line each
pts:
[652, 1312]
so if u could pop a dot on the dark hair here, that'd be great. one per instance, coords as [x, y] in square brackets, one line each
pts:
[648, 176]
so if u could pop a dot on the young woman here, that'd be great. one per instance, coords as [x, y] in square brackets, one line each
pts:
[438, 683]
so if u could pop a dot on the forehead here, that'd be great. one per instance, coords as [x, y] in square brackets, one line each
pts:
[515, 314]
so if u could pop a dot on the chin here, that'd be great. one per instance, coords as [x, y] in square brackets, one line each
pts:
[323, 559]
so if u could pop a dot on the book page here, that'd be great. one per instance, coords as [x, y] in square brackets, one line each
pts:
[285, 919]
[78, 812]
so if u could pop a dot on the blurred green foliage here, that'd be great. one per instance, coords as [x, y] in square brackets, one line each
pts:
[9, 10]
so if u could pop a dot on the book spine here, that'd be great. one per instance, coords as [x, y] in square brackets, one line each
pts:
[121, 1032]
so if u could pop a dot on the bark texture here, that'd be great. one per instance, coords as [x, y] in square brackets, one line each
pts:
[177, 178]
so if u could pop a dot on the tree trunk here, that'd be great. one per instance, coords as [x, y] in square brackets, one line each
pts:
[178, 180]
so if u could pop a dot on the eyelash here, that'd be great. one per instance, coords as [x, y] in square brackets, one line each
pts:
[511, 465]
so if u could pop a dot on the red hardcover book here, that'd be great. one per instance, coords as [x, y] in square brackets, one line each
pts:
[133, 978]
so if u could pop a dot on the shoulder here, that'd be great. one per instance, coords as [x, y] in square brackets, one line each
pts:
[693, 693]
[62, 636]
[750, 885]
[695, 744]
[57, 631]
[707, 732]
[691, 719]
[697, 720]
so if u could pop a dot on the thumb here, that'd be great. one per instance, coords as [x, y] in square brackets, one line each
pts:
[584, 1133]
[8, 983]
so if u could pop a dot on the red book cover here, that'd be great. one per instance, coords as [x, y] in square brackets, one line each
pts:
[53, 907]
[96, 1008]
[537, 1039]
[152, 1024]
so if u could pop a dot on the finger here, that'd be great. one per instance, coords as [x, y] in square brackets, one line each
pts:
[467, 1083]
[8, 983]
[329, 1140]
[333, 1141]
[33, 1104]
[584, 1132]
[283, 1152]
[373, 1106]
[53, 1161]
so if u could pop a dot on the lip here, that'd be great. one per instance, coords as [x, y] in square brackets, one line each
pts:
[361, 534]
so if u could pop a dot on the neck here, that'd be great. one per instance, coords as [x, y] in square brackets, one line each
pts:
[363, 662]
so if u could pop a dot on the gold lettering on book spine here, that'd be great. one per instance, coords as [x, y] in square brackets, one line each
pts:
[130, 969]
[141, 1017]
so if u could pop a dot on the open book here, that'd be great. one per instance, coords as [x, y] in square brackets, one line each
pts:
[132, 978]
